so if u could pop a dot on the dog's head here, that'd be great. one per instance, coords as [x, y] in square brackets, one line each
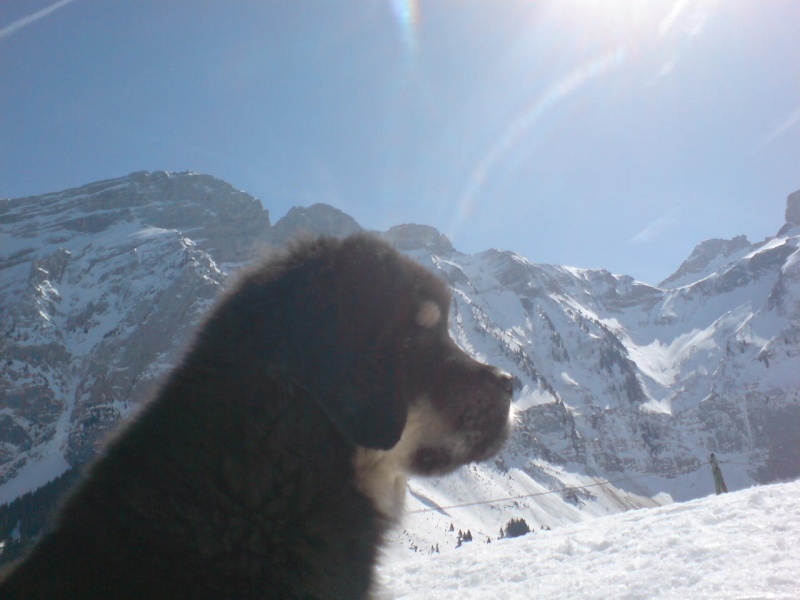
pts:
[363, 329]
[384, 368]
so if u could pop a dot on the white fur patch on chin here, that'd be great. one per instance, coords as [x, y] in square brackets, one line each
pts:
[429, 315]
[382, 479]
[382, 475]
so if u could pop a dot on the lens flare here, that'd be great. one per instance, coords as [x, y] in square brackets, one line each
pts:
[407, 13]
[519, 128]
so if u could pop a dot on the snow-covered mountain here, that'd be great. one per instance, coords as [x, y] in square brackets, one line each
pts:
[100, 287]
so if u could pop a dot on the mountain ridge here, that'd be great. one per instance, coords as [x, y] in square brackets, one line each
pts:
[101, 286]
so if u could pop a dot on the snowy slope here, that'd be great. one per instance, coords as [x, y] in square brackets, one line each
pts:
[738, 545]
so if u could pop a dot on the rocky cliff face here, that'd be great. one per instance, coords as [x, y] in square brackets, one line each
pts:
[100, 287]
[793, 209]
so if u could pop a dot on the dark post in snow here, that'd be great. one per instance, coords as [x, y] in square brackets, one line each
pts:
[719, 482]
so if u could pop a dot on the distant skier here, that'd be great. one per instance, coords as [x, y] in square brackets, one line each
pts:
[719, 482]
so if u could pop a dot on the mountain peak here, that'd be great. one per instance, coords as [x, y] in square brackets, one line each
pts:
[706, 257]
[419, 237]
[792, 212]
[317, 219]
[208, 207]
[793, 208]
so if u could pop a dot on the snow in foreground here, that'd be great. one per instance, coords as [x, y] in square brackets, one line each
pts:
[740, 545]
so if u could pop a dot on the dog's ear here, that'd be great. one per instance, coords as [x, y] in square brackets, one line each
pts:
[356, 365]
[368, 415]
[352, 353]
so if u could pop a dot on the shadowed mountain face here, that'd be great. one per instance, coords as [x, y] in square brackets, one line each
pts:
[101, 286]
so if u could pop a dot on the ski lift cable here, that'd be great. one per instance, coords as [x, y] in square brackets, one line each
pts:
[557, 491]
[519, 497]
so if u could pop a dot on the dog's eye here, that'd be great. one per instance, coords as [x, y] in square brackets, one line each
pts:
[429, 315]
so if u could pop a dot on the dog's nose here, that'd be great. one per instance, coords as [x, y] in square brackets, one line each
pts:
[506, 381]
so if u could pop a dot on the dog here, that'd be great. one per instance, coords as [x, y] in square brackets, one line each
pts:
[274, 457]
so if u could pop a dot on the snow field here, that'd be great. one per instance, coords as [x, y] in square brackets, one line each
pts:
[739, 545]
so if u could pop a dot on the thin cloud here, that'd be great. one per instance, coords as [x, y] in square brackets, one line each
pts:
[665, 71]
[32, 18]
[656, 229]
[781, 128]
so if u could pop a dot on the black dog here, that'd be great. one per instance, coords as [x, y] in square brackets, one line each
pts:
[275, 456]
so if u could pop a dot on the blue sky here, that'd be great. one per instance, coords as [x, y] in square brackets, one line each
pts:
[610, 134]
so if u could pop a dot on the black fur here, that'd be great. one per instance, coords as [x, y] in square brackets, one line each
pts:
[259, 469]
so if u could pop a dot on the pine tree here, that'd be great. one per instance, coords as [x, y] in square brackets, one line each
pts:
[516, 528]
